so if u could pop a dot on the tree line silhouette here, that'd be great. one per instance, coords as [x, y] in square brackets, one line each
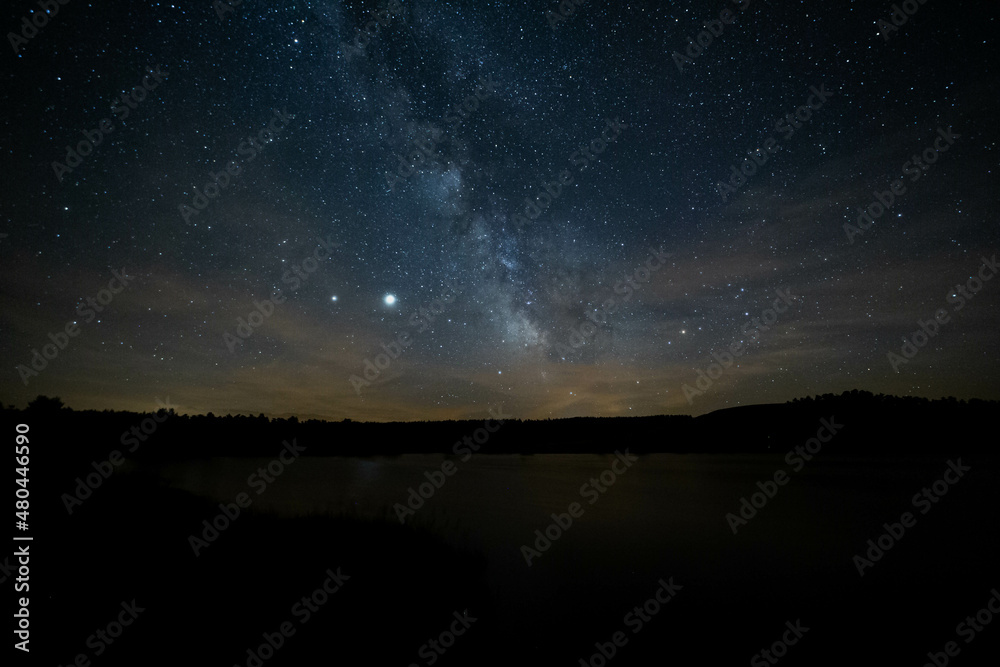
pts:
[874, 424]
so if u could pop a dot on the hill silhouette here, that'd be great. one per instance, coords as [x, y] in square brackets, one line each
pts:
[872, 425]
[132, 541]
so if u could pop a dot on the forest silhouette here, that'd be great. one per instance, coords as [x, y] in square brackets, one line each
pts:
[873, 424]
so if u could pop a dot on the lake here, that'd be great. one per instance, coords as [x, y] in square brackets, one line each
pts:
[664, 516]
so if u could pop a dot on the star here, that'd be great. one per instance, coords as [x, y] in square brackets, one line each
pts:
[548, 209]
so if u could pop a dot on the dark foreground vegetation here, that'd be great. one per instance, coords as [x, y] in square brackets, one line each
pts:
[399, 586]
[132, 541]
[404, 585]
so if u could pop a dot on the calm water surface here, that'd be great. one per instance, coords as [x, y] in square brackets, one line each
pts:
[663, 517]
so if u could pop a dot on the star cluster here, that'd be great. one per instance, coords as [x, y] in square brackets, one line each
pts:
[420, 209]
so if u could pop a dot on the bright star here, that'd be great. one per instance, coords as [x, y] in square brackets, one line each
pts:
[389, 299]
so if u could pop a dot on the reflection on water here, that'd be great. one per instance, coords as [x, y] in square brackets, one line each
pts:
[663, 515]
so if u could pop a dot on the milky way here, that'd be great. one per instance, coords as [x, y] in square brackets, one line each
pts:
[413, 210]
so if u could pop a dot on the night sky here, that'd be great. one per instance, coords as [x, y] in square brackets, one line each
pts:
[377, 197]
